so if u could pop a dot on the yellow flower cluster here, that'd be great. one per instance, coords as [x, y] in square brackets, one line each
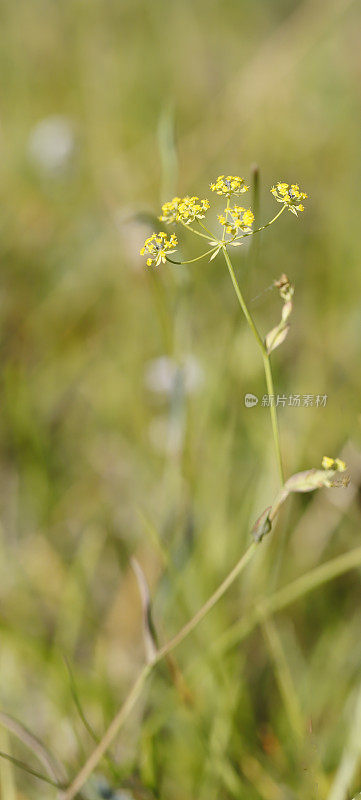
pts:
[184, 209]
[157, 246]
[289, 195]
[229, 185]
[333, 463]
[237, 219]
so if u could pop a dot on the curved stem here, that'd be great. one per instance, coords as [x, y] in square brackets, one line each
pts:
[198, 233]
[288, 594]
[205, 229]
[208, 605]
[109, 735]
[191, 260]
[266, 362]
[134, 694]
[263, 227]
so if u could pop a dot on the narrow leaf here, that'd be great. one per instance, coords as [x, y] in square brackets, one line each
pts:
[52, 766]
[29, 770]
[214, 254]
[149, 633]
[276, 336]
[262, 526]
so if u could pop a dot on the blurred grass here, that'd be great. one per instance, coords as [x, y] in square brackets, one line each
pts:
[94, 466]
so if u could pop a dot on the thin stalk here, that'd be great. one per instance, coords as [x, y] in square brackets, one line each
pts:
[111, 762]
[191, 260]
[242, 302]
[208, 605]
[109, 735]
[198, 233]
[27, 768]
[255, 190]
[263, 227]
[274, 420]
[226, 216]
[254, 249]
[289, 594]
[266, 362]
[54, 769]
[135, 692]
[205, 229]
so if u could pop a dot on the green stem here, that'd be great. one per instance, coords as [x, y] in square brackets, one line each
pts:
[208, 605]
[198, 233]
[263, 227]
[191, 260]
[30, 770]
[226, 218]
[274, 420]
[270, 222]
[205, 229]
[242, 302]
[266, 363]
[289, 594]
[109, 735]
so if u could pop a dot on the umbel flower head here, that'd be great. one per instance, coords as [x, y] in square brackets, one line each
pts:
[289, 195]
[184, 209]
[228, 185]
[237, 219]
[157, 246]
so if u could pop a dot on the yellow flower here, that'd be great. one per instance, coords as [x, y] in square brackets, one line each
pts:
[289, 195]
[170, 210]
[157, 246]
[333, 463]
[237, 219]
[229, 185]
[184, 209]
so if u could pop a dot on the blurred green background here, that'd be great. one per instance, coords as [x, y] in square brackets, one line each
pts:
[108, 108]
